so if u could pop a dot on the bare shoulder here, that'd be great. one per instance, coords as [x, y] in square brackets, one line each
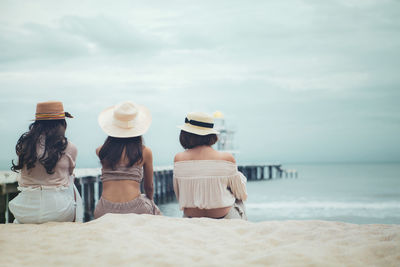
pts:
[181, 156]
[147, 153]
[98, 150]
[147, 156]
[227, 156]
[71, 145]
[146, 149]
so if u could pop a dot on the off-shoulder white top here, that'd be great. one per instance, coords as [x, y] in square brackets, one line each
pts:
[208, 184]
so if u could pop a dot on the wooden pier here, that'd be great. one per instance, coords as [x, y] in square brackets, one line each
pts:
[90, 187]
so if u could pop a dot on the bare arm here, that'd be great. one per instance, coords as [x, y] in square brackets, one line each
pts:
[73, 153]
[98, 150]
[148, 172]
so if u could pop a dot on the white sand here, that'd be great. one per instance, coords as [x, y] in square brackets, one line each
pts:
[116, 240]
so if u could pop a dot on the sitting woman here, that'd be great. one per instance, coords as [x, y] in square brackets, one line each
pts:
[125, 161]
[207, 182]
[46, 160]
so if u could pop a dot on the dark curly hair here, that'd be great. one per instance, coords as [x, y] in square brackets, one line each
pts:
[111, 151]
[55, 142]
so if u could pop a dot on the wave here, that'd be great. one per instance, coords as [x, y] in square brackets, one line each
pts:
[370, 212]
[324, 205]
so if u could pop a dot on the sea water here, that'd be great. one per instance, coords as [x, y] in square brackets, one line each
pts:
[355, 193]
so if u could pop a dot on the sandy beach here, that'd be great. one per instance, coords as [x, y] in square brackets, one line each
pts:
[128, 240]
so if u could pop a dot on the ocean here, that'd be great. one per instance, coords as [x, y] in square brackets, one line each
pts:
[354, 193]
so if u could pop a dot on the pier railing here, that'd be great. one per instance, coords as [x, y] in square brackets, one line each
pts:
[90, 186]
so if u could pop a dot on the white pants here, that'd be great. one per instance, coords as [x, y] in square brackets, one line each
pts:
[47, 204]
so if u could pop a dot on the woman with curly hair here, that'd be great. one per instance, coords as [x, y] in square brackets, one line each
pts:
[46, 161]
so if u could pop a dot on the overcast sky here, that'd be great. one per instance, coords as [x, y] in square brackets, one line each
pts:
[299, 81]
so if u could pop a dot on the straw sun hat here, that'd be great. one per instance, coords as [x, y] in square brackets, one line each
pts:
[199, 123]
[51, 110]
[125, 120]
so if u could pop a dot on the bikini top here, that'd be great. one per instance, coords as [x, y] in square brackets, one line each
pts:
[134, 173]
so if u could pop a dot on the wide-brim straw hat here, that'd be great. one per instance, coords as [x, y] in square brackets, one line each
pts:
[199, 123]
[51, 110]
[125, 120]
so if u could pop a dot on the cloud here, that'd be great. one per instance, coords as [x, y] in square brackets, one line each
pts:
[74, 37]
[107, 34]
[38, 42]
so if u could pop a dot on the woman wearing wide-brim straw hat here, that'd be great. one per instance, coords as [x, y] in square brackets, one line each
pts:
[207, 182]
[125, 161]
[46, 160]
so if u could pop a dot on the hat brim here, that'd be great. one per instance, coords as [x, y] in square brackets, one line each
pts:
[141, 123]
[197, 129]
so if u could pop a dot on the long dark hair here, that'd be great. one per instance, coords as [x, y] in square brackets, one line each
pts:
[55, 142]
[111, 151]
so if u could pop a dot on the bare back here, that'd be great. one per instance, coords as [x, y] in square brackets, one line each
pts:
[126, 190]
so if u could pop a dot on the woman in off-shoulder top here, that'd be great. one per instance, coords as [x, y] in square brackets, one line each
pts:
[207, 182]
[125, 161]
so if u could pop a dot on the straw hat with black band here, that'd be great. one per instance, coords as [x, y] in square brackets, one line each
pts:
[199, 123]
[125, 120]
[51, 110]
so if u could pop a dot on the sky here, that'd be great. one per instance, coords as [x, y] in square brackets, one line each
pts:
[298, 81]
